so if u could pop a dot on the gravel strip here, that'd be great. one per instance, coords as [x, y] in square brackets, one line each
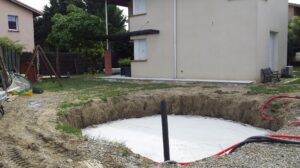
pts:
[256, 155]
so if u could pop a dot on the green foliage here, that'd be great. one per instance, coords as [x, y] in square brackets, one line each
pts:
[294, 30]
[75, 29]
[6, 42]
[42, 25]
[124, 61]
[69, 130]
[116, 18]
[293, 37]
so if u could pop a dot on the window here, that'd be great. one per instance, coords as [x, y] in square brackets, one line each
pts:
[140, 52]
[139, 7]
[12, 22]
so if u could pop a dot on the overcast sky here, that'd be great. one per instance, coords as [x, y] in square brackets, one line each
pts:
[39, 4]
[294, 1]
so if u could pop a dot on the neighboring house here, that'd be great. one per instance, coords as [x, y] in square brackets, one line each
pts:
[294, 10]
[208, 39]
[16, 22]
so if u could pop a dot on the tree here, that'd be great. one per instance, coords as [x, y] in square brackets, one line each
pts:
[116, 24]
[73, 31]
[293, 37]
[42, 25]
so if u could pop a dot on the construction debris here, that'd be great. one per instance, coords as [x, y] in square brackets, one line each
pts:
[19, 86]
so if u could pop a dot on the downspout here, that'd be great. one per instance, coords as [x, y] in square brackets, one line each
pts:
[106, 24]
[175, 39]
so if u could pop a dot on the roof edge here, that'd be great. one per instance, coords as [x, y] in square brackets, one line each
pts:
[34, 11]
[294, 4]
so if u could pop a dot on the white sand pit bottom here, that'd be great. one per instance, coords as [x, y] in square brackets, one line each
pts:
[191, 137]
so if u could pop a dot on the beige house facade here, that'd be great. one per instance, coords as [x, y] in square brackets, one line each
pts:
[294, 10]
[208, 39]
[16, 22]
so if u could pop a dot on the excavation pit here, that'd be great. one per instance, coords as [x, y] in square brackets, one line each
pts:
[191, 137]
[230, 106]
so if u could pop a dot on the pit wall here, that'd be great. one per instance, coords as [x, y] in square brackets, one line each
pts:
[227, 106]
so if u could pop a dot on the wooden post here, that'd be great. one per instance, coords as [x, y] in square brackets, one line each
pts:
[57, 62]
[108, 64]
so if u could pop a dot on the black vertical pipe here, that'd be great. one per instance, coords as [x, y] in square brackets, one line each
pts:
[165, 130]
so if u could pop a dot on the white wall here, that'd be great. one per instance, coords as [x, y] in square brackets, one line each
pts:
[159, 62]
[217, 39]
[25, 35]
[272, 16]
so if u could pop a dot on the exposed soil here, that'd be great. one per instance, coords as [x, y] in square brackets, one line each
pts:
[28, 137]
[231, 105]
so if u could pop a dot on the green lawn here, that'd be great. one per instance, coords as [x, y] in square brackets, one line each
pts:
[278, 88]
[82, 89]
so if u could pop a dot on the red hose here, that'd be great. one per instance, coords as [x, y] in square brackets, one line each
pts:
[295, 123]
[284, 136]
[226, 150]
[280, 136]
[265, 116]
[185, 163]
[268, 101]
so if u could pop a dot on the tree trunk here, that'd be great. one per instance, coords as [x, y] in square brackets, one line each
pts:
[57, 62]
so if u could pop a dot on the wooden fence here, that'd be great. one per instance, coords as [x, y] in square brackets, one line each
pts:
[11, 59]
[70, 63]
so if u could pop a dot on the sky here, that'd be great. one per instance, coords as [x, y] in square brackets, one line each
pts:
[39, 4]
[294, 1]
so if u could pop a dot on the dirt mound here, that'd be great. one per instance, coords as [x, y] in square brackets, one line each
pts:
[228, 106]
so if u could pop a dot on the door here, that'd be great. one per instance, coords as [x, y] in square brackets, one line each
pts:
[273, 50]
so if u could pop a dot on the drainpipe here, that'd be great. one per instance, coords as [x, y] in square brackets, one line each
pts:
[106, 24]
[175, 39]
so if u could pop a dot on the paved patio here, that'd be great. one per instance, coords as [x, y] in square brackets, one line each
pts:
[119, 78]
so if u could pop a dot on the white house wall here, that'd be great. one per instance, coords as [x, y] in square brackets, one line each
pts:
[25, 35]
[159, 62]
[272, 16]
[216, 39]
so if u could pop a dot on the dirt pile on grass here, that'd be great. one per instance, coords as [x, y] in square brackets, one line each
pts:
[231, 106]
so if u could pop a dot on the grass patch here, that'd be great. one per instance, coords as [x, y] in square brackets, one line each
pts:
[279, 87]
[77, 82]
[88, 82]
[69, 130]
[82, 89]
[210, 87]
[274, 89]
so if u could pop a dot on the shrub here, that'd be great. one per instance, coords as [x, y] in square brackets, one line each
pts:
[6, 42]
[124, 61]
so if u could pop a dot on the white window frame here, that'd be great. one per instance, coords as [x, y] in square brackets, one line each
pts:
[17, 22]
[140, 50]
[139, 7]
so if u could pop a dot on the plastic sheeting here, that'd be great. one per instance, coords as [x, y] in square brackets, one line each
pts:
[3, 97]
[20, 86]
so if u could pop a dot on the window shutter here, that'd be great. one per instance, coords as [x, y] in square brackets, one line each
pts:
[140, 50]
[139, 6]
